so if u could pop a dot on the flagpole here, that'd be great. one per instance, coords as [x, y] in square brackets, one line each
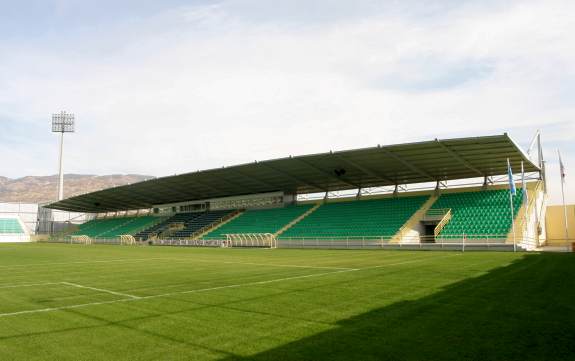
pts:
[562, 176]
[511, 204]
[526, 214]
[565, 214]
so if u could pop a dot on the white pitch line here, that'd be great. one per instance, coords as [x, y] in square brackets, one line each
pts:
[291, 265]
[51, 309]
[84, 262]
[410, 261]
[136, 298]
[250, 283]
[30, 285]
[100, 290]
[192, 260]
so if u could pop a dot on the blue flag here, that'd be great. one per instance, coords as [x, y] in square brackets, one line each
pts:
[510, 175]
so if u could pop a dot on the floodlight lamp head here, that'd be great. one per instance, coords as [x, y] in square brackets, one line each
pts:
[63, 122]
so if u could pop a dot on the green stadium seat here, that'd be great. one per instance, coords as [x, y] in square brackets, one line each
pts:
[259, 221]
[483, 214]
[115, 227]
[364, 218]
[10, 226]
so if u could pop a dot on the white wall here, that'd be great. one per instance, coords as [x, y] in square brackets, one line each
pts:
[28, 214]
[11, 238]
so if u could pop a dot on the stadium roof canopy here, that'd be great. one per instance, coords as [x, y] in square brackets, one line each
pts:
[429, 161]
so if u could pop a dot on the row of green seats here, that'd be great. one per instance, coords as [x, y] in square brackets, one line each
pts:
[482, 214]
[10, 225]
[259, 221]
[115, 227]
[96, 227]
[362, 218]
[131, 227]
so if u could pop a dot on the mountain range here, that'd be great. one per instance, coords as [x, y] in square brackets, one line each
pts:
[41, 189]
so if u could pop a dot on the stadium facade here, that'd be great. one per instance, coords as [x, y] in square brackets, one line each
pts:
[439, 193]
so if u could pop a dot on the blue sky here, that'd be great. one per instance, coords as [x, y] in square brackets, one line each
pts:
[164, 87]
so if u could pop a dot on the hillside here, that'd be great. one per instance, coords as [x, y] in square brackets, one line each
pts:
[39, 189]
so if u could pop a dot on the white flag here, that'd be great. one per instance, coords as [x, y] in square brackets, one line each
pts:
[561, 168]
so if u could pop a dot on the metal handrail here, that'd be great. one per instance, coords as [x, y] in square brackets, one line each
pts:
[446, 218]
[436, 212]
[214, 224]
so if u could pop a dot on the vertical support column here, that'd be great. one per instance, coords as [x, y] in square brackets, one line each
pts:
[61, 177]
[513, 222]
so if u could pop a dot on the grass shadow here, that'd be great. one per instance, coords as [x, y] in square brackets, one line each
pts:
[524, 311]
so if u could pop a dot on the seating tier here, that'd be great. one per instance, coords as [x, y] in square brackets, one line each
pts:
[10, 226]
[197, 223]
[363, 218]
[115, 227]
[484, 214]
[259, 221]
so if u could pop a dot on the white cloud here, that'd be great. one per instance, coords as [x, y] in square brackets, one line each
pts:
[204, 86]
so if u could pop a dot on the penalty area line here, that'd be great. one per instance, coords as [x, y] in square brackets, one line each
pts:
[132, 298]
[416, 260]
[126, 260]
[292, 266]
[100, 290]
[16, 285]
[264, 264]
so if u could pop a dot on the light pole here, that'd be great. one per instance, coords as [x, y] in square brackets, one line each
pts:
[62, 123]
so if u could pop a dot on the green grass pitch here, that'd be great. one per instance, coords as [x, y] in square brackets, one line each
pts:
[74, 302]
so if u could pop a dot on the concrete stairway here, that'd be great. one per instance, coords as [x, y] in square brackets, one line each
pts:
[212, 227]
[298, 219]
[408, 229]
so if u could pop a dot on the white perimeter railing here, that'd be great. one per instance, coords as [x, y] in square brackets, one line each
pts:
[453, 242]
[461, 242]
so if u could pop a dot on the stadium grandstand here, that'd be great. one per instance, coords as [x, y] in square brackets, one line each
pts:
[12, 229]
[433, 194]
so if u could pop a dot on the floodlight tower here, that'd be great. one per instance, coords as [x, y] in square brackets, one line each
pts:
[62, 123]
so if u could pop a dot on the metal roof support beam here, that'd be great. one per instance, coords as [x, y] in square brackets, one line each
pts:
[339, 179]
[140, 192]
[118, 202]
[458, 158]
[364, 169]
[487, 180]
[234, 184]
[407, 164]
[212, 188]
[294, 178]
[440, 184]
[132, 196]
[261, 182]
